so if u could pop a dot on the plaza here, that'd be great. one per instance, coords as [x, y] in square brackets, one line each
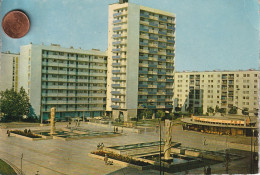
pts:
[71, 157]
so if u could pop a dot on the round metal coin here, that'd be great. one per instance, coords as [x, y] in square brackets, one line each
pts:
[16, 24]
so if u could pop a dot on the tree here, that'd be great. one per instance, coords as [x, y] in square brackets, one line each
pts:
[233, 110]
[222, 110]
[210, 110]
[200, 110]
[177, 109]
[147, 113]
[189, 109]
[245, 111]
[160, 113]
[217, 108]
[14, 104]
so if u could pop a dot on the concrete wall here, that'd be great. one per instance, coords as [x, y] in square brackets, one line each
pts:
[6, 70]
[132, 57]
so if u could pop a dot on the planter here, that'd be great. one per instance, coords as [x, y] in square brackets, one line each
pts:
[121, 163]
[27, 138]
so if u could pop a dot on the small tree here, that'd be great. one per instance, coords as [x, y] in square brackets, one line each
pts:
[14, 104]
[217, 109]
[160, 113]
[233, 110]
[222, 110]
[200, 110]
[177, 109]
[146, 113]
[245, 111]
[210, 110]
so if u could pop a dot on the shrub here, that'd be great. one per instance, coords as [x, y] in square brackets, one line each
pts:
[122, 158]
[31, 135]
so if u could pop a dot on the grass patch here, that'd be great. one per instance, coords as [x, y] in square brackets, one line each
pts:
[6, 169]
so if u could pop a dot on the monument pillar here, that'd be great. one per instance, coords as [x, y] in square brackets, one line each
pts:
[168, 139]
[52, 120]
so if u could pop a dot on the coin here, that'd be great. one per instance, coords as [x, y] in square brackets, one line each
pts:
[16, 24]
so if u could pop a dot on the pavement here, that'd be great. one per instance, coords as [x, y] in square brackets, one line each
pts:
[58, 157]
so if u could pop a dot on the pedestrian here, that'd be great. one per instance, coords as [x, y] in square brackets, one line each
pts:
[204, 170]
[9, 133]
[114, 129]
[208, 170]
[204, 141]
[29, 131]
[105, 159]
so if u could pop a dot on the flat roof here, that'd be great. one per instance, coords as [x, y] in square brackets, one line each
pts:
[188, 120]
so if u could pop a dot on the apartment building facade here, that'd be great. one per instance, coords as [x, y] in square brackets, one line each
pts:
[9, 71]
[196, 91]
[141, 52]
[72, 80]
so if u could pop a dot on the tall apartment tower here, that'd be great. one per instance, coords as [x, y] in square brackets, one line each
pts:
[9, 71]
[72, 80]
[141, 51]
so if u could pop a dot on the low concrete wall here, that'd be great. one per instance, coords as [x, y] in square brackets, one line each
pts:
[24, 137]
[120, 128]
[123, 164]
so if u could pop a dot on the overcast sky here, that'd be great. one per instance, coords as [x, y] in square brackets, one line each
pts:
[210, 34]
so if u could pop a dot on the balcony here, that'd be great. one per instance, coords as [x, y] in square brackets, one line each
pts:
[152, 72]
[162, 33]
[143, 44]
[115, 71]
[170, 27]
[153, 24]
[169, 93]
[161, 73]
[168, 106]
[161, 86]
[170, 41]
[144, 15]
[117, 14]
[142, 100]
[117, 21]
[143, 72]
[152, 65]
[162, 53]
[115, 85]
[142, 85]
[144, 30]
[143, 65]
[116, 28]
[162, 46]
[115, 106]
[152, 86]
[151, 100]
[144, 36]
[116, 50]
[115, 99]
[144, 22]
[116, 35]
[169, 80]
[143, 57]
[144, 50]
[161, 59]
[142, 93]
[116, 42]
[153, 38]
[142, 79]
[163, 19]
[153, 51]
[169, 67]
[115, 64]
[161, 80]
[151, 106]
[161, 66]
[152, 79]
[152, 93]
[116, 57]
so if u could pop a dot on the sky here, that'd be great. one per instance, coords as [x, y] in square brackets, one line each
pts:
[210, 34]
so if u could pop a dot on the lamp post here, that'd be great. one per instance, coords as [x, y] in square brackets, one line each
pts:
[160, 145]
[22, 164]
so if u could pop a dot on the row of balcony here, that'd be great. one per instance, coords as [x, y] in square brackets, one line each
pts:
[90, 94]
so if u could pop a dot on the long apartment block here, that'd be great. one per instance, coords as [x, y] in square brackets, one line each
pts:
[9, 71]
[225, 89]
[141, 52]
[72, 80]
